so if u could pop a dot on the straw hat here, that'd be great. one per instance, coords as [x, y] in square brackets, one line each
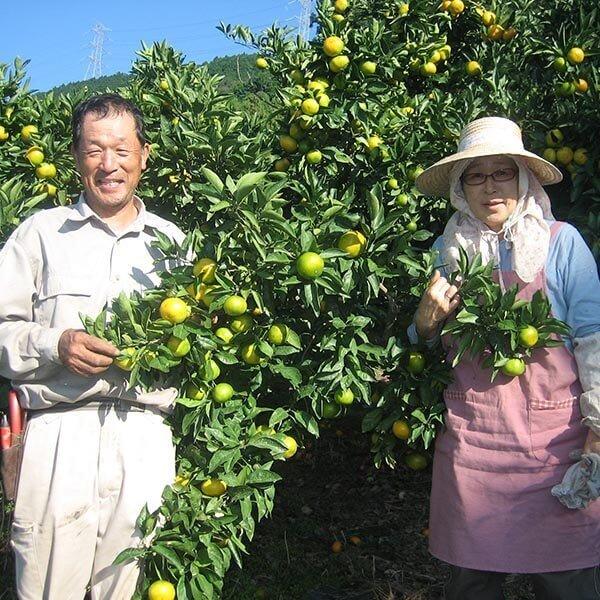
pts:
[485, 137]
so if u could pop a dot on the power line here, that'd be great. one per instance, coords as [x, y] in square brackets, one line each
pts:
[94, 68]
[304, 21]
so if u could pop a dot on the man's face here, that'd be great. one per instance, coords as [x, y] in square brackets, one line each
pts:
[110, 159]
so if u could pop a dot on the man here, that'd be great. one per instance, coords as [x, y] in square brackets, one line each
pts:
[95, 453]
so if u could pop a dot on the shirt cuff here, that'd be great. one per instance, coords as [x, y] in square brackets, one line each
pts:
[413, 336]
[48, 344]
[590, 409]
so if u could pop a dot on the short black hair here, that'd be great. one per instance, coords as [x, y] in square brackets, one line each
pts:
[103, 105]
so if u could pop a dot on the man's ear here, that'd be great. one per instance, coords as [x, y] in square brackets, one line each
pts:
[145, 155]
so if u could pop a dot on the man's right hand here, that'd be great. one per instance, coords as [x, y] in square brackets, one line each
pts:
[438, 301]
[85, 354]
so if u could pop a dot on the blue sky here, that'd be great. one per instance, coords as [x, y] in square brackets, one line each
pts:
[56, 35]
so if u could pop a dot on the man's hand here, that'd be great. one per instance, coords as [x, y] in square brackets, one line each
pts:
[438, 301]
[592, 443]
[85, 354]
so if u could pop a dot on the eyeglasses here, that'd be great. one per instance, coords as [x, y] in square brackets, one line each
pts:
[479, 178]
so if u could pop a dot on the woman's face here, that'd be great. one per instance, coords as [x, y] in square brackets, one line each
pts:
[491, 199]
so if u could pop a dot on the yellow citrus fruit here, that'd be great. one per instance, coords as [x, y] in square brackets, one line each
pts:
[414, 172]
[339, 63]
[416, 363]
[27, 131]
[3, 134]
[161, 590]
[262, 63]
[559, 64]
[288, 143]
[125, 362]
[340, 6]
[344, 397]
[354, 539]
[282, 165]
[550, 155]
[456, 7]
[488, 18]
[51, 190]
[213, 487]
[352, 243]
[222, 392]
[324, 100]
[277, 334]
[402, 199]
[333, 45]
[392, 183]
[494, 32]
[35, 156]
[509, 34]
[241, 324]
[428, 69]
[318, 84]
[514, 367]
[473, 68]
[403, 9]
[309, 107]
[265, 430]
[46, 171]
[373, 141]
[368, 67]
[416, 461]
[224, 334]
[401, 429]
[309, 265]
[235, 306]
[206, 294]
[412, 227]
[164, 85]
[337, 547]
[575, 55]
[292, 446]
[178, 346]
[297, 77]
[249, 354]
[580, 156]
[445, 51]
[528, 336]
[436, 56]
[564, 155]
[554, 138]
[313, 157]
[194, 392]
[205, 269]
[174, 310]
[582, 85]
[213, 370]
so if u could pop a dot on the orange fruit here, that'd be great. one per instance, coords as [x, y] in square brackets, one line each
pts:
[292, 446]
[205, 268]
[575, 55]
[213, 487]
[337, 547]
[174, 310]
[222, 392]
[401, 429]
[161, 590]
[352, 243]
[234, 306]
[344, 397]
[514, 367]
[178, 346]
[309, 265]
[416, 461]
[277, 334]
[262, 63]
[528, 336]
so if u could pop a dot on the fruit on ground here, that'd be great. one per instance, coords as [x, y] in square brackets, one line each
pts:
[416, 363]
[178, 346]
[249, 354]
[174, 310]
[354, 539]
[333, 45]
[401, 429]
[309, 265]
[292, 446]
[222, 392]
[277, 334]
[337, 547]
[352, 243]
[241, 324]
[27, 131]
[161, 590]
[45, 171]
[339, 63]
[194, 392]
[528, 336]
[125, 362]
[514, 367]
[213, 487]
[235, 306]
[416, 461]
[205, 268]
[35, 156]
[309, 107]
[575, 55]
[344, 397]
[224, 334]
[262, 63]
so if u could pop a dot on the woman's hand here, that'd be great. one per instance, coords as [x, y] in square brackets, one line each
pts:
[592, 443]
[438, 301]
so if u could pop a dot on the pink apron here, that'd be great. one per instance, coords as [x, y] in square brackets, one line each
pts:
[504, 446]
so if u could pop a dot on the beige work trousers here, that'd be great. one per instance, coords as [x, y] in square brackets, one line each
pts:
[86, 474]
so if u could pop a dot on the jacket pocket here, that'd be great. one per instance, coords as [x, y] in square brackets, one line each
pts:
[23, 542]
[61, 299]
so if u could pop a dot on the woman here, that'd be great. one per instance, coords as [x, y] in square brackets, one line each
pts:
[507, 443]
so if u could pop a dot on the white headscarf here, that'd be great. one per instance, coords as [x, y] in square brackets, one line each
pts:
[525, 228]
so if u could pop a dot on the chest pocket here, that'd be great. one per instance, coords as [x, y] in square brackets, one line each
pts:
[61, 299]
